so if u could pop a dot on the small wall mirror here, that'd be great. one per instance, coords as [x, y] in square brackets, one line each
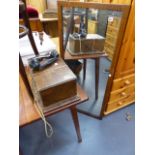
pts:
[88, 30]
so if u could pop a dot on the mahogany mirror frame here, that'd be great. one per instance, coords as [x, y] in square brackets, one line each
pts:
[124, 9]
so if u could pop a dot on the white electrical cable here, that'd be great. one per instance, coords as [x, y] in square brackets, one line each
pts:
[37, 99]
[46, 123]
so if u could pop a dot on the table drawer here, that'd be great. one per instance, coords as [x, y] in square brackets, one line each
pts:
[121, 103]
[112, 30]
[121, 93]
[114, 21]
[123, 82]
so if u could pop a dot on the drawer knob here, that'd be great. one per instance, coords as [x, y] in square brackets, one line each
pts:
[109, 75]
[123, 94]
[120, 103]
[127, 82]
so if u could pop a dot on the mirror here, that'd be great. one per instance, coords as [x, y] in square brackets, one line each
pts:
[89, 30]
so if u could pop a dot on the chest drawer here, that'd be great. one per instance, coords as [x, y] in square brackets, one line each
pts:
[121, 93]
[108, 51]
[111, 39]
[112, 30]
[123, 82]
[110, 56]
[121, 103]
[114, 21]
[109, 46]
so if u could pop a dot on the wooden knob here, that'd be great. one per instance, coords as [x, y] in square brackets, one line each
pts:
[127, 82]
[123, 94]
[119, 103]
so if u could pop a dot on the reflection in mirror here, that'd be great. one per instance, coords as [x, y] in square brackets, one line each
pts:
[109, 23]
[91, 31]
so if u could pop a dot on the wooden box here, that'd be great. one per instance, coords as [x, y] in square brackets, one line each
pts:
[50, 13]
[55, 84]
[93, 43]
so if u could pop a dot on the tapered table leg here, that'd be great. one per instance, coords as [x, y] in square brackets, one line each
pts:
[24, 76]
[97, 61]
[20, 152]
[84, 68]
[76, 122]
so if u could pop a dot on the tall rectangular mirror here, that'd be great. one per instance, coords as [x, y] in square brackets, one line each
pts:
[92, 30]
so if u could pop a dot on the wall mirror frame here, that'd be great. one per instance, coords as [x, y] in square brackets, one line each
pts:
[124, 9]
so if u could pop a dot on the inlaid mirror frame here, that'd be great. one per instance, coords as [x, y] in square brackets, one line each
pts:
[124, 9]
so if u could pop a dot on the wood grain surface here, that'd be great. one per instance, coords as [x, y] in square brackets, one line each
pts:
[27, 111]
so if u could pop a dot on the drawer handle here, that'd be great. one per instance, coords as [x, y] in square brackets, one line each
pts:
[127, 82]
[123, 94]
[119, 103]
[109, 75]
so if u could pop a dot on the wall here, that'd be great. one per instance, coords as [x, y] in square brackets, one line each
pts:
[40, 5]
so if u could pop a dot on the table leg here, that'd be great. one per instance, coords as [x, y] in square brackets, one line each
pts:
[24, 76]
[84, 68]
[76, 122]
[20, 152]
[97, 61]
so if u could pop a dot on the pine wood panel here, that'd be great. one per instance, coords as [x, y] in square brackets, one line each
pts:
[126, 64]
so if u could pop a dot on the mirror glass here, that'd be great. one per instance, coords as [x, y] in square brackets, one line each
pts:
[92, 31]
[89, 31]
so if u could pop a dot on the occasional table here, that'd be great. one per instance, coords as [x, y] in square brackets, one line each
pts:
[28, 114]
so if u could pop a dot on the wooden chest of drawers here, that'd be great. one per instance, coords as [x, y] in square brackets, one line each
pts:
[123, 82]
[120, 93]
[120, 103]
[123, 93]
[111, 35]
